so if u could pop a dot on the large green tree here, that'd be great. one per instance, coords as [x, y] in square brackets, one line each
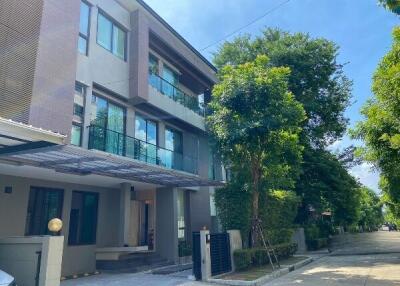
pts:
[318, 82]
[317, 79]
[371, 215]
[380, 129]
[255, 124]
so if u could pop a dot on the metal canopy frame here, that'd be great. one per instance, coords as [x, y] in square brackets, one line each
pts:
[76, 160]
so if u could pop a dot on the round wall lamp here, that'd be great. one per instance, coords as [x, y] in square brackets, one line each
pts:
[55, 225]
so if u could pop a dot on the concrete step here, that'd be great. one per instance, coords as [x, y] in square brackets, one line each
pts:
[135, 269]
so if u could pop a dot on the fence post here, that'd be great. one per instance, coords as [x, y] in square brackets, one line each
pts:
[205, 255]
[235, 240]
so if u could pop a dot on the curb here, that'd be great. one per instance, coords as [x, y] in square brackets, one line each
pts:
[264, 279]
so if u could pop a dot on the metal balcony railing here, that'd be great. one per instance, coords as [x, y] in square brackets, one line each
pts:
[176, 94]
[120, 144]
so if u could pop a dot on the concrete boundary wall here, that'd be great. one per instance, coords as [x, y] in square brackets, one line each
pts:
[19, 256]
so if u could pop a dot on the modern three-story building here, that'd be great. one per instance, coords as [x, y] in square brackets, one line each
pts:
[123, 96]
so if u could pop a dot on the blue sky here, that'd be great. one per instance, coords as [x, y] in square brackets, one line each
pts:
[361, 28]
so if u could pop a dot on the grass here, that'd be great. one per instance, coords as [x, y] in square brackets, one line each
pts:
[257, 272]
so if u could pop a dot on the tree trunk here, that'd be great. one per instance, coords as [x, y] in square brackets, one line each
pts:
[256, 173]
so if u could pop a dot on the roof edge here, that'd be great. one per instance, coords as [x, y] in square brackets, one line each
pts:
[173, 31]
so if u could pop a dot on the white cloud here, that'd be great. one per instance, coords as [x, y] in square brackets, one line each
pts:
[367, 176]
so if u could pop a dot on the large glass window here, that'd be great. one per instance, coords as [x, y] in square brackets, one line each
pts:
[172, 78]
[146, 132]
[83, 218]
[110, 36]
[173, 154]
[44, 204]
[84, 27]
[108, 126]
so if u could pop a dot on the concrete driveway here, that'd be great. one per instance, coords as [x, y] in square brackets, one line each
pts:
[139, 279]
[357, 260]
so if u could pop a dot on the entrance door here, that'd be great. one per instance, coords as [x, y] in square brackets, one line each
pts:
[44, 205]
[142, 223]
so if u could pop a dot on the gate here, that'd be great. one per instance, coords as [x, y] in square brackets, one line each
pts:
[220, 253]
[196, 255]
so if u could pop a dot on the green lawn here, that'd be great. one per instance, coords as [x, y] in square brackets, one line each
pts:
[257, 272]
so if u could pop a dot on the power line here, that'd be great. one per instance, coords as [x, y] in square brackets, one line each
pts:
[247, 25]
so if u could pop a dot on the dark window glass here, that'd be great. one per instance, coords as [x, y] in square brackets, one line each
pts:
[44, 204]
[110, 36]
[83, 218]
[173, 140]
[84, 28]
[78, 110]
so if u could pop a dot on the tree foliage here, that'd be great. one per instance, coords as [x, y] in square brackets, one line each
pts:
[392, 5]
[325, 184]
[381, 128]
[316, 79]
[371, 215]
[255, 124]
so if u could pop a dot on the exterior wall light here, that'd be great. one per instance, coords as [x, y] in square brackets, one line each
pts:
[55, 225]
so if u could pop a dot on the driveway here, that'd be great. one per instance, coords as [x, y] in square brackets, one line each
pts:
[139, 279]
[369, 259]
[357, 260]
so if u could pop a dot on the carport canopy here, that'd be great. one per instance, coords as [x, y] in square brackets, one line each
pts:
[27, 145]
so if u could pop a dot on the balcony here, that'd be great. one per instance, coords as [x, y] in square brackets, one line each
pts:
[174, 93]
[120, 144]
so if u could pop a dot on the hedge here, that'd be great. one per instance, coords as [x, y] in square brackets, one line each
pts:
[318, 243]
[245, 258]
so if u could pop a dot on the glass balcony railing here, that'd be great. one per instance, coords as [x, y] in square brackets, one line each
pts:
[176, 94]
[120, 144]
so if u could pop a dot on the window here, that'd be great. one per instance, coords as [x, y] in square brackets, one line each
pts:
[76, 135]
[44, 204]
[108, 126]
[83, 218]
[84, 27]
[78, 110]
[181, 209]
[110, 36]
[146, 132]
[173, 79]
[153, 64]
[173, 154]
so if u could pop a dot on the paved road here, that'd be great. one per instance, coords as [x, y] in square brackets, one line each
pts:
[371, 259]
[358, 260]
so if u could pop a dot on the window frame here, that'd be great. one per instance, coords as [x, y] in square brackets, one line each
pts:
[86, 37]
[97, 195]
[119, 26]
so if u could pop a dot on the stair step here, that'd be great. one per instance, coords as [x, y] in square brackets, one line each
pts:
[137, 268]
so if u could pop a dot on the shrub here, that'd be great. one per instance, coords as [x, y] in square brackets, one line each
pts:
[184, 249]
[242, 259]
[311, 232]
[318, 243]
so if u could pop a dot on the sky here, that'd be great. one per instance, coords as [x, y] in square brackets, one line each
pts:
[361, 29]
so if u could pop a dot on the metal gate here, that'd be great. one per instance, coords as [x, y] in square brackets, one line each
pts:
[196, 255]
[220, 253]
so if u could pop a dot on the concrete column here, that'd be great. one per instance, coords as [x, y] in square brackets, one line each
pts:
[200, 209]
[167, 223]
[161, 134]
[205, 255]
[87, 116]
[235, 240]
[124, 213]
